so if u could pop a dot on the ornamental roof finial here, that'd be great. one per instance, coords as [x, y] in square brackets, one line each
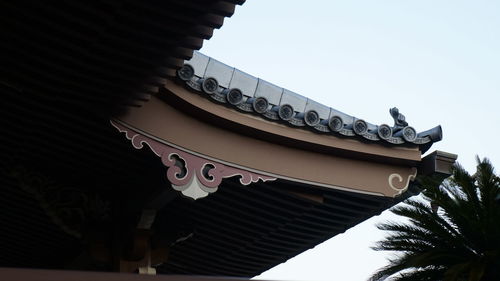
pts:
[399, 119]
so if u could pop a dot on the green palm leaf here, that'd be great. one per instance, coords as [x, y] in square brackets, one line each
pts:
[458, 240]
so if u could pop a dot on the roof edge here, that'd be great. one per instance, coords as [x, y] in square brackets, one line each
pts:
[234, 88]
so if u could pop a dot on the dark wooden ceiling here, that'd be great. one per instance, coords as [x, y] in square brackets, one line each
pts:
[246, 230]
[67, 67]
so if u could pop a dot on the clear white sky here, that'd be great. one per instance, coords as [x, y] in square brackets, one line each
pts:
[438, 61]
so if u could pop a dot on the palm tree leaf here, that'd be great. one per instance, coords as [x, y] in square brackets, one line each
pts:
[460, 240]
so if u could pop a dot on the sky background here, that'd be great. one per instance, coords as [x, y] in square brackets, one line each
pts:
[437, 61]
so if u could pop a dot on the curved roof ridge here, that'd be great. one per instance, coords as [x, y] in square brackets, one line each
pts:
[231, 86]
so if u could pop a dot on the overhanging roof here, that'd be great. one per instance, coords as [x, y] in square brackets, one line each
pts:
[66, 69]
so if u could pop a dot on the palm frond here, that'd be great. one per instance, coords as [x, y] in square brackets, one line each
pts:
[460, 240]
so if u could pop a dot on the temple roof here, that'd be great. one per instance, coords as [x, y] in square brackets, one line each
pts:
[74, 191]
[248, 94]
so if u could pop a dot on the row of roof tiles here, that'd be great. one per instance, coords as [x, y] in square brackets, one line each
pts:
[229, 85]
[250, 86]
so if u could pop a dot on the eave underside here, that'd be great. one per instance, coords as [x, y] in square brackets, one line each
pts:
[236, 231]
[243, 231]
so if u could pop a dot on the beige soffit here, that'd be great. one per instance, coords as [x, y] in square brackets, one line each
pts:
[200, 104]
[162, 122]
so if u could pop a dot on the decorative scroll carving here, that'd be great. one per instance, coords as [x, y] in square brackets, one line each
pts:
[193, 175]
[397, 182]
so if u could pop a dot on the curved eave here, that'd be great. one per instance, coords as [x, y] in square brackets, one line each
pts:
[245, 93]
[248, 124]
[198, 127]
